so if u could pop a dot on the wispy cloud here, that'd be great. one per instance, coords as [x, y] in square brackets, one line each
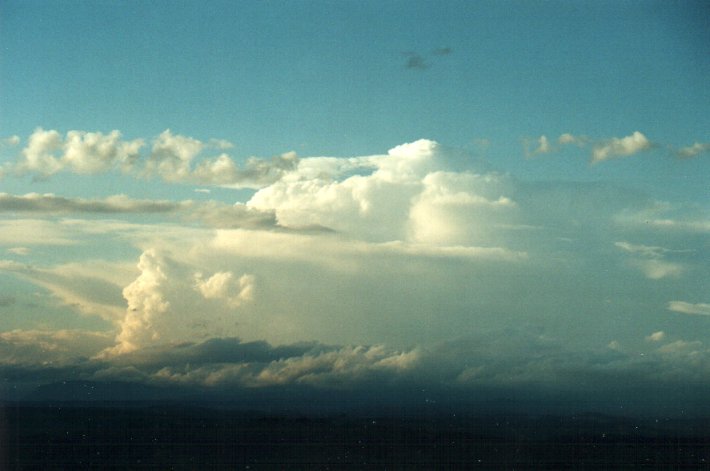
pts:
[415, 61]
[422, 61]
[48, 203]
[694, 150]
[701, 309]
[651, 260]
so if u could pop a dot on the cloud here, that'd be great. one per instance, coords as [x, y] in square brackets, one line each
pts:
[643, 250]
[656, 336]
[700, 226]
[224, 216]
[415, 61]
[419, 61]
[19, 250]
[88, 152]
[255, 174]
[11, 141]
[603, 149]
[164, 307]
[693, 151]
[49, 347]
[34, 232]
[652, 263]
[209, 213]
[174, 158]
[543, 146]
[442, 51]
[683, 307]
[670, 219]
[568, 138]
[620, 147]
[491, 369]
[658, 269]
[171, 157]
[49, 203]
[221, 144]
[223, 285]
[402, 249]
[82, 152]
[90, 287]
[401, 196]
[681, 347]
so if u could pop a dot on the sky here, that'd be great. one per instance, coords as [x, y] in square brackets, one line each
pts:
[359, 196]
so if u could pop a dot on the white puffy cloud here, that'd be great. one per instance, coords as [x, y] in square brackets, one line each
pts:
[40, 154]
[171, 156]
[222, 170]
[177, 158]
[47, 152]
[224, 285]
[656, 336]
[620, 147]
[402, 196]
[167, 303]
[94, 152]
[701, 309]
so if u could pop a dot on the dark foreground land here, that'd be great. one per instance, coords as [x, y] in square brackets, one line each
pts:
[74, 436]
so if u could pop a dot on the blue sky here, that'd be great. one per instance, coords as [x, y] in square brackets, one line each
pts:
[389, 179]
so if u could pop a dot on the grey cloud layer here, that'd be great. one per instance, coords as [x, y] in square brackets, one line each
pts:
[479, 368]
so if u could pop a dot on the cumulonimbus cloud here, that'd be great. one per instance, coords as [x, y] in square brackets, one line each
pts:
[163, 308]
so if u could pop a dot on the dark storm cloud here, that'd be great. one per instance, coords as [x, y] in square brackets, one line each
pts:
[510, 370]
[216, 351]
